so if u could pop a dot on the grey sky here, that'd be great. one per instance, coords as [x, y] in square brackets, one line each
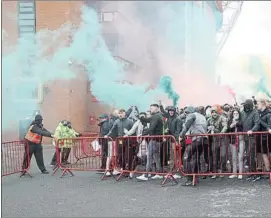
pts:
[252, 31]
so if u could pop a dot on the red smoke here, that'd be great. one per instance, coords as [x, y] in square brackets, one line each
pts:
[197, 89]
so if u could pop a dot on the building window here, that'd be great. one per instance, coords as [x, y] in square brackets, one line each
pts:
[106, 16]
[26, 17]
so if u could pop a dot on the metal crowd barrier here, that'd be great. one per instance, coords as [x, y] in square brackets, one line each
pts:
[95, 159]
[86, 149]
[147, 155]
[15, 158]
[230, 154]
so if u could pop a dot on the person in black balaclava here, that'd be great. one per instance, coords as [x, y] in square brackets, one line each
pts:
[34, 139]
[251, 123]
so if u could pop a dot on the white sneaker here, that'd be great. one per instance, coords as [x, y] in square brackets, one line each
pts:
[131, 175]
[108, 174]
[115, 172]
[214, 177]
[240, 177]
[232, 176]
[176, 176]
[157, 177]
[142, 177]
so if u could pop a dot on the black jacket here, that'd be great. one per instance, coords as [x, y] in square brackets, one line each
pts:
[237, 128]
[174, 123]
[265, 120]
[40, 130]
[156, 124]
[251, 121]
[120, 125]
[114, 132]
[104, 128]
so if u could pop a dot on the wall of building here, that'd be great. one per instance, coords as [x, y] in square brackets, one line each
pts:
[62, 99]
[10, 35]
[72, 99]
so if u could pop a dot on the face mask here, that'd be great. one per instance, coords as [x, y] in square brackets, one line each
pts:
[236, 116]
[226, 109]
[247, 108]
[214, 115]
[39, 122]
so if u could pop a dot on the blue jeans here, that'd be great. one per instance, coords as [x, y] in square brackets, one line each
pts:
[153, 155]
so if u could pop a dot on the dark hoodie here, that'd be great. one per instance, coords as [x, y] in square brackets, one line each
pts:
[174, 123]
[250, 117]
[38, 127]
[265, 120]
[104, 127]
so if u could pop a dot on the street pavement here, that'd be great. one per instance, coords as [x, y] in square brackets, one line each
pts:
[85, 195]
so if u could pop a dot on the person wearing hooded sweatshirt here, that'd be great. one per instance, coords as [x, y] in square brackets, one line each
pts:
[34, 138]
[195, 124]
[264, 141]
[64, 130]
[173, 127]
[218, 124]
[251, 123]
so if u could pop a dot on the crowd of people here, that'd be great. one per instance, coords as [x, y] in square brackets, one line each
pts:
[203, 132]
[197, 129]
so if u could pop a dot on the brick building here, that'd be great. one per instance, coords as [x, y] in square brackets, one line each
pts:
[74, 100]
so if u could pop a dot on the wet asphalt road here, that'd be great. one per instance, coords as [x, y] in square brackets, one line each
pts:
[85, 195]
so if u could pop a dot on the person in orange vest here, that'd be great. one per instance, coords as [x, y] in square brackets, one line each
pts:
[34, 138]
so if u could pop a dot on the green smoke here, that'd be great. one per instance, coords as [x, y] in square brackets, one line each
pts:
[165, 84]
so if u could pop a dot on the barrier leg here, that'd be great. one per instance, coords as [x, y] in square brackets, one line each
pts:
[65, 171]
[25, 172]
[194, 180]
[104, 175]
[55, 169]
[169, 176]
[119, 177]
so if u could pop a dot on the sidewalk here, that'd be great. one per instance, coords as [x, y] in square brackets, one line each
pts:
[48, 146]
